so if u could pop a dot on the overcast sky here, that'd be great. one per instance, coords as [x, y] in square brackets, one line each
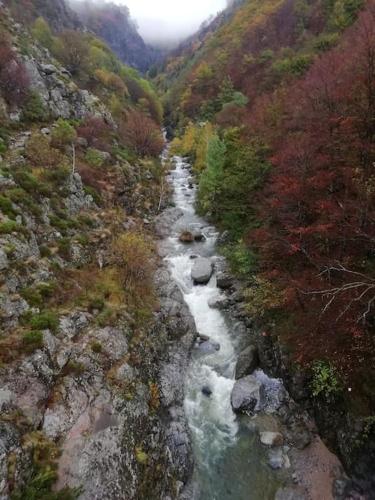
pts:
[171, 19]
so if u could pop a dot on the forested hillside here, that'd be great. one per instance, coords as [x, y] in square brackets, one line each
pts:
[276, 108]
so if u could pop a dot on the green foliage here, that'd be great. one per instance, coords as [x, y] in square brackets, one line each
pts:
[344, 12]
[141, 456]
[37, 295]
[6, 206]
[43, 475]
[96, 347]
[326, 42]
[325, 381]
[32, 341]
[262, 297]
[31, 184]
[42, 32]
[242, 260]
[9, 227]
[94, 158]
[34, 111]
[63, 133]
[45, 321]
[296, 65]
[211, 178]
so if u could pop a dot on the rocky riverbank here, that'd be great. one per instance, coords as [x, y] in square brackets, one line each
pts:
[305, 420]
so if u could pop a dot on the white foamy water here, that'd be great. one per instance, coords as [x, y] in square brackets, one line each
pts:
[226, 466]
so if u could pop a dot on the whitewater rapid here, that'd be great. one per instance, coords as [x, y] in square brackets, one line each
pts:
[229, 463]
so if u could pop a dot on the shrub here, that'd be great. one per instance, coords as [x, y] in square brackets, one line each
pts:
[95, 131]
[133, 256]
[14, 80]
[63, 134]
[12, 227]
[262, 298]
[142, 134]
[94, 158]
[6, 207]
[32, 341]
[42, 32]
[96, 347]
[31, 184]
[45, 321]
[325, 380]
[33, 109]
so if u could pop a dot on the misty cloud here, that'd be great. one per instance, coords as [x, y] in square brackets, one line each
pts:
[170, 21]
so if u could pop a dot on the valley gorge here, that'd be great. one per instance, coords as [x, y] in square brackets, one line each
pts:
[186, 247]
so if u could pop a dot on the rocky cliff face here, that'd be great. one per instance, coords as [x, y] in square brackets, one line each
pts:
[91, 388]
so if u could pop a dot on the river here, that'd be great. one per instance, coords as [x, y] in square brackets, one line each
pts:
[230, 462]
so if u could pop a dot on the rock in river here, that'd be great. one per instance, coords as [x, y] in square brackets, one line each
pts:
[271, 438]
[246, 395]
[202, 271]
[247, 362]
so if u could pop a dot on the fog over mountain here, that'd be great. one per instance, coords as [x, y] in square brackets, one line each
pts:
[167, 22]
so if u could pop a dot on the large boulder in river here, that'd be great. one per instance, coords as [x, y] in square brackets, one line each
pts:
[202, 271]
[247, 362]
[246, 395]
[186, 237]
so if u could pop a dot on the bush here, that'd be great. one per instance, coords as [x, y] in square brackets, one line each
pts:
[12, 227]
[262, 297]
[142, 134]
[33, 109]
[96, 347]
[94, 158]
[63, 134]
[31, 184]
[134, 258]
[45, 321]
[325, 380]
[32, 341]
[6, 207]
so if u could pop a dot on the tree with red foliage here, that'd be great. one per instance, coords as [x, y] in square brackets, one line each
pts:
[96, 132]
[14, 80]
[142, 134]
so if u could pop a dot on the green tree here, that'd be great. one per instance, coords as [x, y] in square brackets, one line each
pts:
[42, 32]
[211, 178]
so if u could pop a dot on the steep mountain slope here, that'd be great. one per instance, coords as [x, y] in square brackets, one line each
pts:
[113, 24]
[56, 12]
[87, 335]
[276, 110]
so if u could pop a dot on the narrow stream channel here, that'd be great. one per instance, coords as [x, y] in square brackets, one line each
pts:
[230, 462]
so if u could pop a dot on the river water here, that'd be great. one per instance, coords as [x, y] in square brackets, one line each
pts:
[230, 462]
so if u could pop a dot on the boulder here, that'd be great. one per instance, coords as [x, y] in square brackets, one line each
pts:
[224, 280]
[271, 438]
[208, 347]
[198, 236]
[202, 271]
[277, 459]
[186, 237]
[246, 395]
[247, 362]
[219, 303]
[206, 391]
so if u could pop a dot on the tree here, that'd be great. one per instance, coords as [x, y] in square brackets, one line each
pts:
[42, 32]
[142, 134]
[73, 51]
[211, 178]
